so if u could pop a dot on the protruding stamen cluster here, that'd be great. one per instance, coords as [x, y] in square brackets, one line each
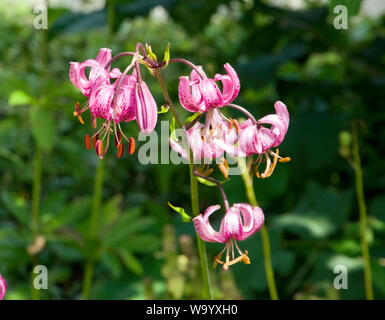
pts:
[270, 165]
[105, 131]
[230, 252]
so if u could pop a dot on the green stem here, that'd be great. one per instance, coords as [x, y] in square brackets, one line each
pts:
[264, 234]
[98, 187]
[207, 287]
[362, 211]
[36, 191]
[93, 228]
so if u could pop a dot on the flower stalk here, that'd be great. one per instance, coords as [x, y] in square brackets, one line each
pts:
[264, 233]
[208, 292]
[362, 212]
[36, 192]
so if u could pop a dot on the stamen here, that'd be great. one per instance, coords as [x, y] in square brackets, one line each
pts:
[268, 164]
[94, 140]
[120, 150]
[236, 124]
[79, 118]
[87, 141]
[286, 159]
[118, 139]
[224, 169]
[94, 122]
[208, 172]
[270, 172]
[259, 160]
[131, 145]
[99, 147]
[230, 126]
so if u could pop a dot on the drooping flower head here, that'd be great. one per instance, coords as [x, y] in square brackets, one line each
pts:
[124, 100]
[240, 221]
[256, 138]
[200, 93]
[3, 287]
[206, 140]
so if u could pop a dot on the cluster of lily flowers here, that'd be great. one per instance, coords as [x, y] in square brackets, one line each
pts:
[129, 98]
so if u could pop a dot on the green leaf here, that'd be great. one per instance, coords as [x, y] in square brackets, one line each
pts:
[163, 109]
[210, 183]
[378, 272]
[192, 118]
[185, 217]
[166, 57]
[149, 52]
[113, 264]
[131, 262]
[43, 127]
[172, 129]
[18, 98]
[16, 206]
[206, 182]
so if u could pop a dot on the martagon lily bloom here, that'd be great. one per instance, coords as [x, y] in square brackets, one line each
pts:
[204, 138]
[3, 287]
[122, 101]
[200, 93]
[255, 138]
[232, 229]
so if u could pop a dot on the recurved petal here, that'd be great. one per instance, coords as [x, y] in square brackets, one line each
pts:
[231, 84]
[231, 225]
[100, 101]
[253, 219]
[178, 148]
[212, 96]
[79, 79]
[249, 142]
[125, 104]
[103, 56]
[204, 228]
[146, 111]
[185, 96]
[282, 112]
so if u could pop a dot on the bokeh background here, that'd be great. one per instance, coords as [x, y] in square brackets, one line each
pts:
[282, 50]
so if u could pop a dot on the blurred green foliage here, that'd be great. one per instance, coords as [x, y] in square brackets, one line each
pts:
[326, 77]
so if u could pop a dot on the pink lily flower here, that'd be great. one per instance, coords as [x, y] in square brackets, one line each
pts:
[260, 140]
[100, 101]
[146, 110]
[201, 93]
[240, 222]
[97, 72]
[3, 287]
[208, 141]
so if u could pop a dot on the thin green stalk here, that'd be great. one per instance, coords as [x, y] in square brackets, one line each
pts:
[36, 191]
[93, 228]
[264, 234]
[98, 186]
[37, 162]
[362, 211]
[208, 292]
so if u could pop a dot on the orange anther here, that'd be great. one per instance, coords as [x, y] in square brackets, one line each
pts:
[99, 147]
[120, 150]
[131, 145]
[87, 141]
